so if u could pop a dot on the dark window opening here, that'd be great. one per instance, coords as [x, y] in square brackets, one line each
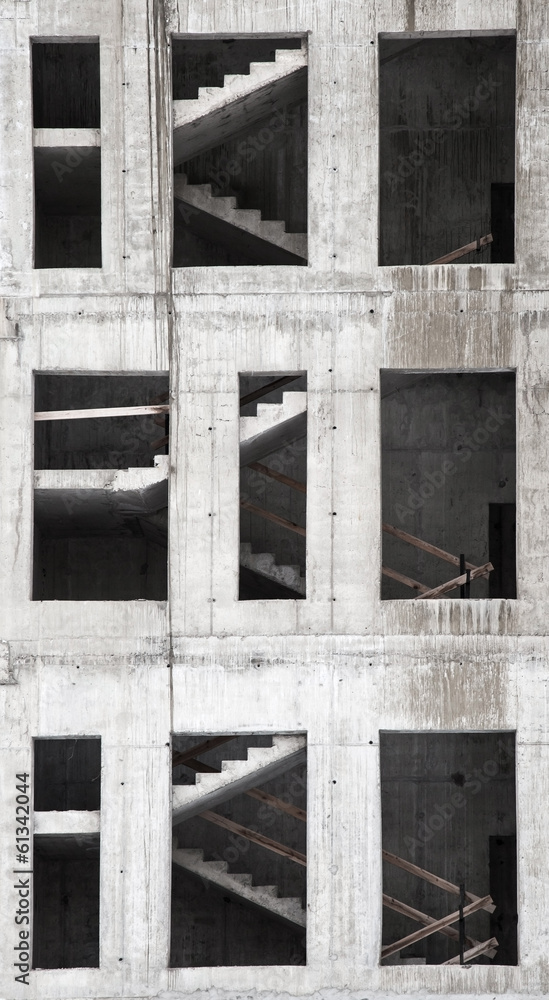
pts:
[117, 442]
[448, 466]
[448, 812]
[240, 151]
[503, 223]
[236, 900]
[273, 486]
[65, 84]
[503, 888]
[447, 149]
[66, 902]
[67, 774]
[98, 537]
[503, 533]
[67, 207]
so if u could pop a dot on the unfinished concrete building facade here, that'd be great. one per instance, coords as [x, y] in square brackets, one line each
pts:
[274, 406]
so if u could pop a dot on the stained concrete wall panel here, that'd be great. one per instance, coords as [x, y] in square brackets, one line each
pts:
[16, 492]
[355, 518]
[532, 160]
[532, 877]
[16, 156]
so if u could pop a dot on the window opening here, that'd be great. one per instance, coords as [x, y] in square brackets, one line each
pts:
[448, 457]
[99, 536]
[239, 862]
[240, 151]
[448, 828]
[67, 154]
[273, 486]
[447, 148]
[66, 853]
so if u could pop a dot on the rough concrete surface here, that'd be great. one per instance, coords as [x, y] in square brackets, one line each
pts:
[341, 665]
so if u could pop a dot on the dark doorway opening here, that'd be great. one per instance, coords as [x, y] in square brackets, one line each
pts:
[502, 533]
[503, 888]
[503, 223]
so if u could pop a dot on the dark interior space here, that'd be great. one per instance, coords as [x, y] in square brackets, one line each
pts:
[447, 147]
[98, 443]
[85, 552]
[99, 538]
[241, 189]
[449, 811]
[503, 887]
[235, 901]
[65, 84]
[66, 903]
[273, 486]
[503, 548]
[503, 223]
[67, 222]
[448, 484]
[67, 774]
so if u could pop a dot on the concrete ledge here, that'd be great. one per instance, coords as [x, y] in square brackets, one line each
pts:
[67, 822]
[59, 138]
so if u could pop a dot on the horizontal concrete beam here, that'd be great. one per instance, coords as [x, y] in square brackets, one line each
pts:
[70, 821]
[63, 138]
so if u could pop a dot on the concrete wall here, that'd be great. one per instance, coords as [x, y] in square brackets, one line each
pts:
[340, 665]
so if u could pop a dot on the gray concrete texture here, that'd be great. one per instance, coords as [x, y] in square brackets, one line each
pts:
[340, 665]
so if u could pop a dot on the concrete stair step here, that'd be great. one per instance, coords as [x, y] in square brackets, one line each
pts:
[270, 415]
[263, 897]
[265, 564]
[236, 776]
[249, 220]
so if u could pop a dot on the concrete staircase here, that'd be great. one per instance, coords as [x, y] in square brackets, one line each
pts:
[222, 112]
[264, 563]
[214, 213]
[275, 425]
[237, 776]
[263, 897]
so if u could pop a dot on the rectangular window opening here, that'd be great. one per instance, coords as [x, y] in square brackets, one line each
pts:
[99, 537]
[240, 151]
[67, 774]
[67, 154]
[67, 229]
[223, 909]
[67, 789]
[273, 485]
[447, 148]
[449, 812]
[448, 484]
[65, 84]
